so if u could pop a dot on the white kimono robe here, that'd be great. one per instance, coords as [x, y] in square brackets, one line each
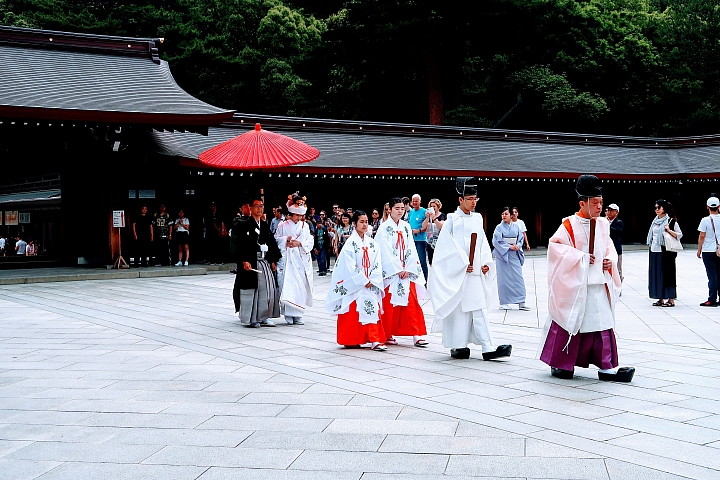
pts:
[461, 300]
[359, 264]
[398, 253]
[581, 297]
[294, 270]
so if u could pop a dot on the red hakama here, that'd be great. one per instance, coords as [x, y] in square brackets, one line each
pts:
[403, 321]
[351, 332]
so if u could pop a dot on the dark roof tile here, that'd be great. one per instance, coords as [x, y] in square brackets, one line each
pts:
[97, 83]
[374, 153]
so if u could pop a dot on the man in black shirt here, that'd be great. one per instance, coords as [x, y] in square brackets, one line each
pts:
[616, 229]
[143, 234]
[214, 232]
[163, 236]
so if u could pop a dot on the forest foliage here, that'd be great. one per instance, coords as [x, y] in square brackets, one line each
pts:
[627, 67]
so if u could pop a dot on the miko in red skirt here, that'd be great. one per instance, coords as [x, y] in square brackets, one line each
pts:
[356, 291]
[403, 277]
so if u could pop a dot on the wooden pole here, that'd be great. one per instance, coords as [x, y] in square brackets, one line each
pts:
[473, 242]
[120, 261]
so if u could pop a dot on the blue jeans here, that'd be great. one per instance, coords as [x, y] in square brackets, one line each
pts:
[712, 268]
[322, 260]
[421, 247]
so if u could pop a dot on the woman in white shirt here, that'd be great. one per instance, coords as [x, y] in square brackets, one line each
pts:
[182, 236]
[661, 276]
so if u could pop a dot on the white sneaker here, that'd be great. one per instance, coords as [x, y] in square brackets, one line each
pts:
[524, 307]
[186, 264]
[505, 307]
[179, 264]
[267, 323]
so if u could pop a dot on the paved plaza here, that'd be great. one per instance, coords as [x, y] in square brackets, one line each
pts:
[154, 378]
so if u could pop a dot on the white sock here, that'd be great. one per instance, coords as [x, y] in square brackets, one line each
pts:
[488, 348]
[612, 371]
[375, 344]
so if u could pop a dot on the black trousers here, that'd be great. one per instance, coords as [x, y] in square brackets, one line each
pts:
[162, 250]
[213, 253]
[142, 252]
[712, 268]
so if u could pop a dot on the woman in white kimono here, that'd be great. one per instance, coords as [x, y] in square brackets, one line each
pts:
[403, 277]
[294, 270]
[357, 281]
[508, 240]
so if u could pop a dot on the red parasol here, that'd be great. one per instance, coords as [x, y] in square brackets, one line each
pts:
[258, 149]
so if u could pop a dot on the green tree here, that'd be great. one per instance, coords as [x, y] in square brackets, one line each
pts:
[643, 67]
[689, 40]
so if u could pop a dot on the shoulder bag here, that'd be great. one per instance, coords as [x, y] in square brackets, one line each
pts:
[717, 245]
[672, 244]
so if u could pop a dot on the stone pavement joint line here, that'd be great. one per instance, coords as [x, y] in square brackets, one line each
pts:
[155, 378]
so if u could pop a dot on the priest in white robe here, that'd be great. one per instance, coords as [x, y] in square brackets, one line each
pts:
[461, 284]
[583, 289]
[294, 270]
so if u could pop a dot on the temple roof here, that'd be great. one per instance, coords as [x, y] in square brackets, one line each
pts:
[59, 76]
[395, 149]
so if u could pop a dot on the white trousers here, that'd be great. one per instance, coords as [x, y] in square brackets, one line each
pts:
[462, 328]
[292, 311]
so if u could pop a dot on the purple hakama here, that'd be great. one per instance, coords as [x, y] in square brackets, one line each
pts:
[597, 348]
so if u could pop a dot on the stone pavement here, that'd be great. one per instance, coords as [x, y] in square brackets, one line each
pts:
[155, 378]
[72, 274]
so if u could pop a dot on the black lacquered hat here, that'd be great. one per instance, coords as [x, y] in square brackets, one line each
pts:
[465, 186]
[588, 186]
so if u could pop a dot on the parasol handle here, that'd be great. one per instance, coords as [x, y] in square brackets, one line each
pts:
[473, 241]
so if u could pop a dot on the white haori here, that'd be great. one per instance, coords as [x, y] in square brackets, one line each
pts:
[398, 253]
[294, 270]
[359, 264]
[461, 300]
[581, 296]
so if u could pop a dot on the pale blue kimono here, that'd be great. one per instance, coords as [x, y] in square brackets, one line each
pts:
[510, 282]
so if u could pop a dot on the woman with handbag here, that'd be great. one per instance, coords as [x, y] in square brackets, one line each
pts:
[664, 241]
